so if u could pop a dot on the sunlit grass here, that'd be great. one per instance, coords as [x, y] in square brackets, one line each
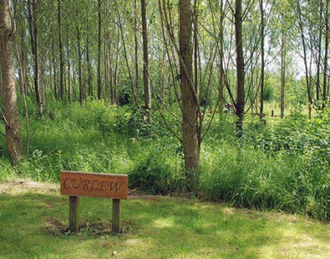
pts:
[155, 227]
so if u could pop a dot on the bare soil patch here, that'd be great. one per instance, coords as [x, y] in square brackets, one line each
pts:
[24, 186]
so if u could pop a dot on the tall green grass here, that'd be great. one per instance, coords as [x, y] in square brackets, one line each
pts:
[283, 165]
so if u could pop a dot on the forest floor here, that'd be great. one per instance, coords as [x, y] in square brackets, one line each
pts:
[34, 219]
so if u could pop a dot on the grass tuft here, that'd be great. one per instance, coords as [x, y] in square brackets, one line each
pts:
[283, 165]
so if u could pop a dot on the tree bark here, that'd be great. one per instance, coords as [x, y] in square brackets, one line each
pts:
[221, 54]
[136, 52]
[115, 76]
[319, 56]
[134, 94]
[262, 49]
[10, 110]
[69, 63]
[305, 57]
[240, 68]
[22, 60]
[59, 20]
[32, 8]
[147, 91]
[89, 67]
[54, 72]
[99, 47]
[106, 68]
[283, 71]
[326, 50]
[189, 103]
[81, 90]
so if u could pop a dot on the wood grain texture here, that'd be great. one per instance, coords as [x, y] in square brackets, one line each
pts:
[73, 213]
[113, 186]
[116, 215]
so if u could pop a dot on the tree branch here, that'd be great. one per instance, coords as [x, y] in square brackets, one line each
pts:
[169, 127]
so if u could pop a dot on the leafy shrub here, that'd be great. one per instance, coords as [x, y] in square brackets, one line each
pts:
[283, 165]
[151, 177]
[131, 122]
[159, 171]
[295, 136]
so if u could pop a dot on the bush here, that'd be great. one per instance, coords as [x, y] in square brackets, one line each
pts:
[159, 171]
[283, 165]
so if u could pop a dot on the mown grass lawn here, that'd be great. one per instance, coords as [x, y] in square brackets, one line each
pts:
[33, 217]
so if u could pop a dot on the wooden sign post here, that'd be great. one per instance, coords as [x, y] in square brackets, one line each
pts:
[77, 184]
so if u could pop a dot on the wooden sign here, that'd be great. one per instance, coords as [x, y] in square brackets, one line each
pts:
[113, 186]
[77, 184]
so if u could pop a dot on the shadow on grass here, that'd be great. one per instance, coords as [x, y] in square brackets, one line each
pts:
[35, 226]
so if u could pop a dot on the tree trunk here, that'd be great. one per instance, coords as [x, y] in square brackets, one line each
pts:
[32, 8]
[99, 47]
[69, 64]
[240, 68]
[59, 3]
[262, 49]
[89, 67]
[54, 72]
[114, 93]
[319, 57]
[305, 57]
[326, 52]
[147, 91]
[134, 94]
[115, 76]
[81, 90]
[283, 70]
[106, 70]
[88, 59]
[189, 103]
[221, 54]
[10, 110]
[136, 51]
[22, 60]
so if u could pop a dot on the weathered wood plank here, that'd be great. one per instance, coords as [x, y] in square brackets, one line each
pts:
[116, 211]
[94, 185]
[73, 213]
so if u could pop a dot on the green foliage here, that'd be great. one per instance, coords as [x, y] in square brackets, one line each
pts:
[159, 169]
[155, 176]
[298, 136]
[131, 122]
[268, 93]
[7, 171]
[283, 165]
[30, 104]
[248, 178]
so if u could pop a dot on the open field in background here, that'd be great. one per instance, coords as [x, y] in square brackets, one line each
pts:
[289, 110]
[34, 218]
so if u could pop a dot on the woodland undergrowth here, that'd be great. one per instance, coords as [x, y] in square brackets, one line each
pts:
[283, 165]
